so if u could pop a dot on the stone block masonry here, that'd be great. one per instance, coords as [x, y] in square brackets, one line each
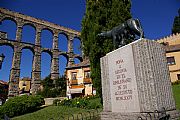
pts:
[135, 81]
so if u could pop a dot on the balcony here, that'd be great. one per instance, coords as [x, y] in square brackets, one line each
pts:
[77, 86]
[73, 82]
[87, 81]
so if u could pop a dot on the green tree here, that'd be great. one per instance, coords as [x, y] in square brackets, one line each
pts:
[176, 24]
[53, 90]
[101, 15]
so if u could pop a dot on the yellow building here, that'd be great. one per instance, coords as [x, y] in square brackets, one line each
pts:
[79, 83]
[172, 46]
[24, 85]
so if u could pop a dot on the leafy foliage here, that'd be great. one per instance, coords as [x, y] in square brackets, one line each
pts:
[176, 91]
[101, 15]
[88, 102]
[21, 104]
[53, 90]
[176, 24]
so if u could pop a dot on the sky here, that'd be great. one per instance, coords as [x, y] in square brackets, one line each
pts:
[156, 17]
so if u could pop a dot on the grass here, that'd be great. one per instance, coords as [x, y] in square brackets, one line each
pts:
[57, 113]
[176, 93]
[63, 112]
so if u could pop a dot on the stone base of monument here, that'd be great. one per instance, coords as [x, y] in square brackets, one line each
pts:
[136, 82]
[172, 115]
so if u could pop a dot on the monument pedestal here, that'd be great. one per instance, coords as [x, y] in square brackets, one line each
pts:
[136, 82]
[174, 115]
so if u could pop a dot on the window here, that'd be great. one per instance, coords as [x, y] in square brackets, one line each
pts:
[164, 43]
[178, 76]
[171, 61]
[73, 76]
[86, 74]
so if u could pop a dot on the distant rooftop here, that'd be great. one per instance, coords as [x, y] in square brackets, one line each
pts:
[3, 82]
[85, 63]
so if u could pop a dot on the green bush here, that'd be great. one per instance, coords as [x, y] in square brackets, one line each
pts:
[1, 112]
[89, 102]
[94, 104]
[53, 90]
[176, 82]
[20, 105]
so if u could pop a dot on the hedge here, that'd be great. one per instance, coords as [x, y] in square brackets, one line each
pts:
[20, 105]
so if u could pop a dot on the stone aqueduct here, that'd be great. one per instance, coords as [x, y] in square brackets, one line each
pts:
[17, 46]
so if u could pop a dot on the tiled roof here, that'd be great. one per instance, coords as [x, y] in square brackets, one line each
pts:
[3, 82]
[172, 48]
[85, 63]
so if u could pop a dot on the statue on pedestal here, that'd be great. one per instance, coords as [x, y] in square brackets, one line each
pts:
[124, 32]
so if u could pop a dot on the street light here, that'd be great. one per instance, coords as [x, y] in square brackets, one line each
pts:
[1, 59]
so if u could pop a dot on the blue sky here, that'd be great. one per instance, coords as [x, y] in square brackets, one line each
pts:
[156, 17]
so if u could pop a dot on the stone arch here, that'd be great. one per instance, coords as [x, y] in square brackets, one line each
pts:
[8, 18]
[77, 45]
[63, 62]
[7, 49]
[48, 29]
[28, 31]
[47, 51]
[46, 37]
[29, 48]
[9, 28]
[7, 44]
[30, 24]
[26, 63]
[63, 41]
[65, 55]
[79, 58]
[45, 63]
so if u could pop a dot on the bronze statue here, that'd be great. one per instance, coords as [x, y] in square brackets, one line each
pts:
[124, 32]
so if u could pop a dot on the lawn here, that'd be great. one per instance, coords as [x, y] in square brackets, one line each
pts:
[176, 92]
[63, 112]
[58, 113]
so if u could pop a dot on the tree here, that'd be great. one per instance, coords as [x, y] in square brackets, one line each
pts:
[176, 24]
[101, 15]
[53, 90]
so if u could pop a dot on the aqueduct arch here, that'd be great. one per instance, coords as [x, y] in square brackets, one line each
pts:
[17, 45]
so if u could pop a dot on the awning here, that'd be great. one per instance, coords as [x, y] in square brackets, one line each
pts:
[76, 90]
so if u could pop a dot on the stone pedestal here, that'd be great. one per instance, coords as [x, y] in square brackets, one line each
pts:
[136, 81]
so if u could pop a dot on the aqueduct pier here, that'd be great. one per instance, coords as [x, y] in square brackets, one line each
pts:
[36, 48]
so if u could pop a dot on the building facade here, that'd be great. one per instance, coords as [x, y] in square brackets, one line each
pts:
[24, 85]
[172, 46]
[3, 91]
[79, 83]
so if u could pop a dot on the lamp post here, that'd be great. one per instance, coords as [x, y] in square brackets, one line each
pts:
[1, 59]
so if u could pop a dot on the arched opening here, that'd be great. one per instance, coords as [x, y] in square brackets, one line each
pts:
[26, 63]
[62, 64]
[76, 61]
[77, 46]
[46, 38]
[7, 63]
[45, 64]
[28, 34]
[63, 42]
[9, 26]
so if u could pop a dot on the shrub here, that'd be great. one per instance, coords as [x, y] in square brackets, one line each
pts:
[53, 90]
[89, 102]
[94, 104]
[176, 82]
[1, 112]
[21, 104]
